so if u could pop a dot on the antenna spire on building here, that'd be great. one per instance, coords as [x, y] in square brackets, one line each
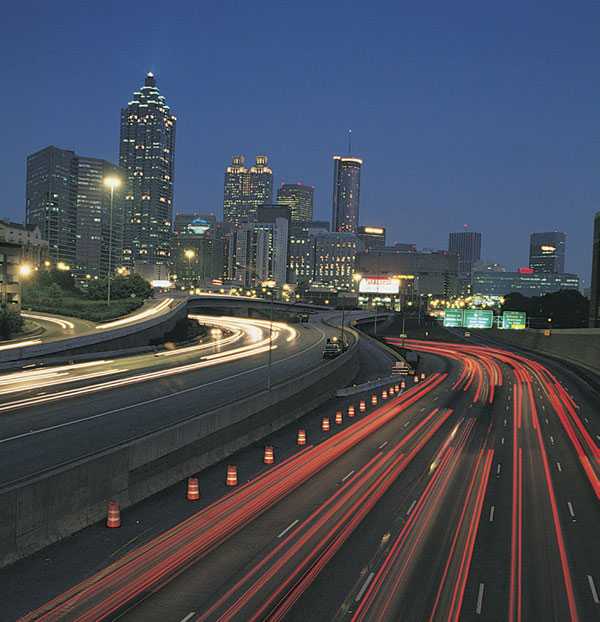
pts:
[349, 142]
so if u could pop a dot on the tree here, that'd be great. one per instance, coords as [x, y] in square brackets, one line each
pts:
[565, 309]
[131, 286]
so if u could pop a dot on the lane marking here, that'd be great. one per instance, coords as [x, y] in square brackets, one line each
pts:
[479, 599]
[189, 616]
[593, 589]
[547, 422]
[559, 467]
[586, 419]
[492, 510]
[383, 445]
[552, 439]
[363, 589]
[505, 422]
[407, 424]
[348, 475]
[290, 526]
[498, 469]
[503, 440]
[412, 505]
[571, 512]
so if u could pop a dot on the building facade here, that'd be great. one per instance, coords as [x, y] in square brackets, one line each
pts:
[51, 200]
[301, 250]
[466, 245]
[371, 236]
[10, 286]
[346, 194]
[525, 282]
[547, 252]
[595, 286]
[299, 198]
[147, 154]
[420, 273]
[335, 259]
[198, 251]
[34, 250]
[245, 189]
[99, 229]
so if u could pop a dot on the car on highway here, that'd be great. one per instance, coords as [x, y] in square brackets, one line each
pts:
[332, 349]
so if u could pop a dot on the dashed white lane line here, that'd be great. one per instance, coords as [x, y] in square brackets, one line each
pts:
[552, 439]
[498, 469]
[571, 511]
[364, 587]
[559, 467]
[479, 599]
[383, 445]
[348, 475]
[290, 526]
[503, 440]
[492, 511]
[189, 616]
[412, 505]
[593, 589]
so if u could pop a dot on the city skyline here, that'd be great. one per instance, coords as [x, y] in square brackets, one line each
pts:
[470, 162]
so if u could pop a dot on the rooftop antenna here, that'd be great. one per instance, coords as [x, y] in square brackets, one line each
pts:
[349, 142]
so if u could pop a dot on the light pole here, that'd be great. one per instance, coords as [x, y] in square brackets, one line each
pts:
[190, 254]
[111, 183]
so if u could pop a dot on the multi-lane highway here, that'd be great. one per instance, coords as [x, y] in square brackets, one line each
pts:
[470, 495]
[53, 415]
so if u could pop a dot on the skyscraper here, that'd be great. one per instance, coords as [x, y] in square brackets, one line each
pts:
[51, 197]
[147, 153]
[245, 189]
[94, 218]
[346, 193]
[67, 199]
[467, 246]
[595, 289]
[300, 200]
[547, 252]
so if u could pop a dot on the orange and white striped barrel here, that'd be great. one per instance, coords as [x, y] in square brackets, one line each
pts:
[339, 417]
[193, 489]
[384, 395]
[232, 478]
[351, 411]
[269, 456]
[373, 399]
[113, 515]
[301, 438]
[325, 426]
[362, 406]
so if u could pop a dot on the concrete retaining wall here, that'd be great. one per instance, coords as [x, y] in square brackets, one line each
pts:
[132, 336]
[578, 346]
[48, 507]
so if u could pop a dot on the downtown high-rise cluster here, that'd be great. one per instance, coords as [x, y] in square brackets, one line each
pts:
[98, 216]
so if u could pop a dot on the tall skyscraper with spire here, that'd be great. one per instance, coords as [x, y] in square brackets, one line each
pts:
[147, 153]
[346, 191]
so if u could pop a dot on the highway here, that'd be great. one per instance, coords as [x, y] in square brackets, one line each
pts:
[470, 495]
[52, 415]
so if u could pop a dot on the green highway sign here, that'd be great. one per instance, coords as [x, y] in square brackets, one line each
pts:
[478, 318]
[514, 320]
[453, 318]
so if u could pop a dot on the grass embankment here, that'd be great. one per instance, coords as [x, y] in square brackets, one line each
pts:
[93, 310]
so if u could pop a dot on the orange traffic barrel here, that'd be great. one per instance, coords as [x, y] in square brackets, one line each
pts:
[403, 384]
[422, 375]
[301, 438]
[113, 516]
[338, 417]
[351, 411]
[325, 424]
[362, 406]
[373, 399]
[397, 387]
[232, 479]
[416, 379]
[269, 457]
[391, 390]
[384, 395]
[193, 489]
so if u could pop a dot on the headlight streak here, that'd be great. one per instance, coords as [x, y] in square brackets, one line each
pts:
[136, 317]
[21, 344]
[64, 324]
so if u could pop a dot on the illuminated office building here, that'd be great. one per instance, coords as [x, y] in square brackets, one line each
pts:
[466, 245]
[371, 236]
[147, 154]
[547, 252]
[245, 189]
[299, 198]
[335, 259]
[346, 194]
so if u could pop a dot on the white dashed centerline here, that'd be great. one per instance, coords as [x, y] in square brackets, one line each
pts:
[189, 616]
[492, 510]
[364, 587]
[571, 511]
[593, 589]
[559, 467]
[348, 475]
[410, 509]
[479, 599]
[383, 445]
[290, 526]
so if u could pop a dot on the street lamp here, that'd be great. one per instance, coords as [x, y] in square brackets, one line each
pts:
[111, 182]
[25, 270]
[189, 255]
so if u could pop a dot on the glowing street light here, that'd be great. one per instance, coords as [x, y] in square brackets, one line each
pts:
[112, 182]
[62, 266]
[25, 270]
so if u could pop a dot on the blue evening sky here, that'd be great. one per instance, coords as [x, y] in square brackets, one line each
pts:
[464, 112]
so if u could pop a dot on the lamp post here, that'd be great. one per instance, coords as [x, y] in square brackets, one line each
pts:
[189, 254]
[111, 183]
